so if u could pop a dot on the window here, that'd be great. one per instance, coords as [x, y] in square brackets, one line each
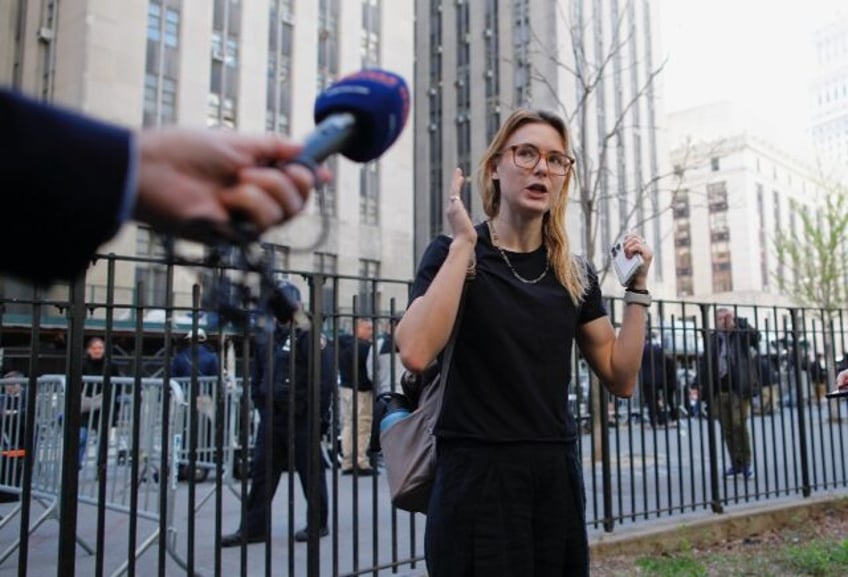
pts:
[682, 233]
[683, 266]
[719, 230]
[220, 114]
[721, 267]
[151, 97]
[232, 56]
[369, 195]
[168, 110]
[714, 164]
[327, 263]
[154, 15]
[371, 31]
[368, 294]
[326, 194]
[680, 204]
[223, 81]
[717, 196]
[328, 57]
[172, 28]
[280, 46]
[278, 257]
[161, 64]
[154, 277]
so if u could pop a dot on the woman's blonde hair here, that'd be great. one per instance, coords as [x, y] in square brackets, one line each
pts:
[569, 271]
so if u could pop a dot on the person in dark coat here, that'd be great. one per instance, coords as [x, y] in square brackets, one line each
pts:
[290, 345]
[353, 373]
[94, 365]
[658, 376]
[208, 362]
[734, 372]
[817, 370]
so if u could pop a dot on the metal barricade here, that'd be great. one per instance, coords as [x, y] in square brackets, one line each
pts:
[134, 483]
[12, 421]
[47, 458]
[234, 457]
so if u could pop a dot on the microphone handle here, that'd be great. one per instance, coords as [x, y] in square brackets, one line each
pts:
[332, 135]
[329, 137]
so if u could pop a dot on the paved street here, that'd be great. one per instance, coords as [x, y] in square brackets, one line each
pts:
[656, 474]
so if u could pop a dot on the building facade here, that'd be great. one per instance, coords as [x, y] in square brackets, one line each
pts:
[596, 63]
[232, 65]
[829, 97]
[735, 191]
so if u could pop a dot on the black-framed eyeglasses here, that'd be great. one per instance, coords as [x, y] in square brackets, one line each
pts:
[528, 156]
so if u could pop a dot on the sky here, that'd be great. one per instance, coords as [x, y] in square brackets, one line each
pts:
[755, 53]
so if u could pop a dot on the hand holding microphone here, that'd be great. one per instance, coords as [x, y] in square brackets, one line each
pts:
[232, 188]
[217, 186]
[196, 176]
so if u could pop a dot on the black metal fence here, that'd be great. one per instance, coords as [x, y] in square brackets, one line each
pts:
[164, 474]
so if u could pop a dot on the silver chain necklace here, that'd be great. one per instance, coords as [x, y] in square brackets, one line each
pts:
[514, 272]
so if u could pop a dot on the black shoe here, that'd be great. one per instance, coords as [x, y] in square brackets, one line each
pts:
[347, 471]
[235, 539]
[303, 534]
[366, 472]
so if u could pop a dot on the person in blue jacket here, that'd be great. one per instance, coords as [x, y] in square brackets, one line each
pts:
[76, 181]
[208, 362]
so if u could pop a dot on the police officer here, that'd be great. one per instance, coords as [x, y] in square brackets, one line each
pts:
[287, 341]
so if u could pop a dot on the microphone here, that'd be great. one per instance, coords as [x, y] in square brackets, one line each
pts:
[360, 116]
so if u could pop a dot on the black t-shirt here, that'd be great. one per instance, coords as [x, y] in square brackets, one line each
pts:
[513, 353]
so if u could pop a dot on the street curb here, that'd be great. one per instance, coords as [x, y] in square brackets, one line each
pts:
[671, 534]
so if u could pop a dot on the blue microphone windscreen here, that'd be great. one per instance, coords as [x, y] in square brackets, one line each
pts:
[380, 102]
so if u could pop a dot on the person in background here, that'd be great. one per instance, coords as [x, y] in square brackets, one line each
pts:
[94, 365]
[735, 372]
[290, 344]
[817, 370]
[354, 380]
[508, 497]
[208, 362]
[658, 376]
[85, 178]
[384, 371]
[769, 379]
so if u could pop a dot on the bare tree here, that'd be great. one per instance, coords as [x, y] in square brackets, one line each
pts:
[600, 139]
[597, 145]
[815, 260]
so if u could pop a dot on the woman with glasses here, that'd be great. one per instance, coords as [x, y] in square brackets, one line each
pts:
[508, 497]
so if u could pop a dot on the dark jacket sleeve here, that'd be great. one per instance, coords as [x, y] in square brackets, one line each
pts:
[63, 178]
[180, 366]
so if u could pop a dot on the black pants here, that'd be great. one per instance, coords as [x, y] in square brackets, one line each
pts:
[652, 393]
[263, 477]
[507, 511]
